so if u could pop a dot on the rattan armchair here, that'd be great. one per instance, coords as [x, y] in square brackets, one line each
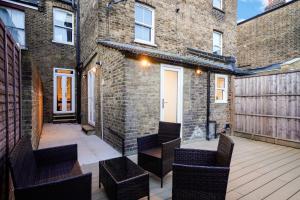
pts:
[156, 152]
[202, 174]
[52, 173]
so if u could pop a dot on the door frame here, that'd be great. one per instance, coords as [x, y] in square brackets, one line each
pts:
[91, 72]
[179, 92]
[55, 90]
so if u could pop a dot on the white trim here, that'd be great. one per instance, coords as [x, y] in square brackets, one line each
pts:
[221, 5]
[53, 26]
[91, 94]
[178, 69]
[21, 4]
[225, 100]
[152, 39]
[55, 90]
[221, 37]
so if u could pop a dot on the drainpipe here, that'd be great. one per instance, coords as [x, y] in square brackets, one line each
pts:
[208, 106]
[78, 68]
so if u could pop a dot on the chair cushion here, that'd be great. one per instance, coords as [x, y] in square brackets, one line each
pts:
[59, 171]
[154, 152]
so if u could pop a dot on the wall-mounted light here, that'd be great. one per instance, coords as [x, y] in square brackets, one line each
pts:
[199, 71]
[83, 75]
[145, 62]
[94, 69]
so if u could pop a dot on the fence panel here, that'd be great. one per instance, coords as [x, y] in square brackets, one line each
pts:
[268, 107]
[10, 102]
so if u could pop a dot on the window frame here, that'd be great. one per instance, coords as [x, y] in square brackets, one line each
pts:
[22, 46]
[73, 25]
[221, 47]
[152, 29]
[225, 77]
[221, 5]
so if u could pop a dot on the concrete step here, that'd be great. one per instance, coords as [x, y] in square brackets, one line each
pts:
[64, 118]
[88, 129]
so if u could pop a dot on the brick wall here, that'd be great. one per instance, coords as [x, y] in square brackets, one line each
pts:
[271, 38]
[131, 100]
[192, 27]
[32, 100]
[44, 53]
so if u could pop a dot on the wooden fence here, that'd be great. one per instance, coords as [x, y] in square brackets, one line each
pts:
[267, 107]
[10, 102]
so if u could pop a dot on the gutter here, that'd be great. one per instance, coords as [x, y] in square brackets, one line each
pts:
[78, 52]
[208, 105]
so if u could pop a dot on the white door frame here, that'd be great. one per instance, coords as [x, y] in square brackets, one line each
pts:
[91, 94]
[64, 76]
[179, 93]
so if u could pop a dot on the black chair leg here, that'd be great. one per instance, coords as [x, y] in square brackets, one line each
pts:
[161, 182]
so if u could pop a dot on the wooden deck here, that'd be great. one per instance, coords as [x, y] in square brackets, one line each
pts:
[258, 171]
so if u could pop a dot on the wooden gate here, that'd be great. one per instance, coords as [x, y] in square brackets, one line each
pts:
[267, 107]
[10, 102]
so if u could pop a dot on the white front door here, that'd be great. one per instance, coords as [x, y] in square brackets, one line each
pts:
[64, 91]
[171, 93]
[91, 97]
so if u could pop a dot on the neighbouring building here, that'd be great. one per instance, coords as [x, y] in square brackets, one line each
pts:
[46, 32]
[146, 61]
[270, 38]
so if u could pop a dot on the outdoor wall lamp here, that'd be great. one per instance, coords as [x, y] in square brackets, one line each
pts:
[145, 62]
[199, 71]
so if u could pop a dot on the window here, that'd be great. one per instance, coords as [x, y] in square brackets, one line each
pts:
[63, 26]
[144, 24]
[217, 43]
[217, 4]
[221, 88]
[14, 20]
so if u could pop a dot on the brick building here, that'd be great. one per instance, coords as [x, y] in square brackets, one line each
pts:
[271, 37]
[146, 61]
[46, 32]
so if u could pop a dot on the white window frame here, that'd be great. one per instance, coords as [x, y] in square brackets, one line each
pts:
[221, 45]
[152, 41]
[225, 77]
[221, 5]
[61, 42]
[22, 46]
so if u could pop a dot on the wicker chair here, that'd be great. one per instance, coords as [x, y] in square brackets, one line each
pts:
[201, 174]
[48, 174]
[156, 152]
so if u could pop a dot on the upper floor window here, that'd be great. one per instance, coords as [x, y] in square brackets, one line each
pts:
[63, 26]
[14, 20]
[218, 4]
[144, 24]
[221, 88]
[217, 43]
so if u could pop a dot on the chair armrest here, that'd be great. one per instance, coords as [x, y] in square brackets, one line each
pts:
[169, 147]
[147, 142]
[200, 178]
[78, 187]
[56, 154]
[195, 157]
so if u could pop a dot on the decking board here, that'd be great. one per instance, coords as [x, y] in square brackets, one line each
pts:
[259, 171]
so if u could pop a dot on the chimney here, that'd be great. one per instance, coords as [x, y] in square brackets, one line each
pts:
[274, 4]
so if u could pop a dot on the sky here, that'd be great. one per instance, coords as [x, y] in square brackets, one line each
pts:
[250, 8]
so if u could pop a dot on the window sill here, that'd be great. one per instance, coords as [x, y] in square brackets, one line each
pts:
[218, 9]
[145, 43]
[65, 43]
[221, 102]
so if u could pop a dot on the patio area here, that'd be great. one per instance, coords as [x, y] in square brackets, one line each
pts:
[258, 170]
